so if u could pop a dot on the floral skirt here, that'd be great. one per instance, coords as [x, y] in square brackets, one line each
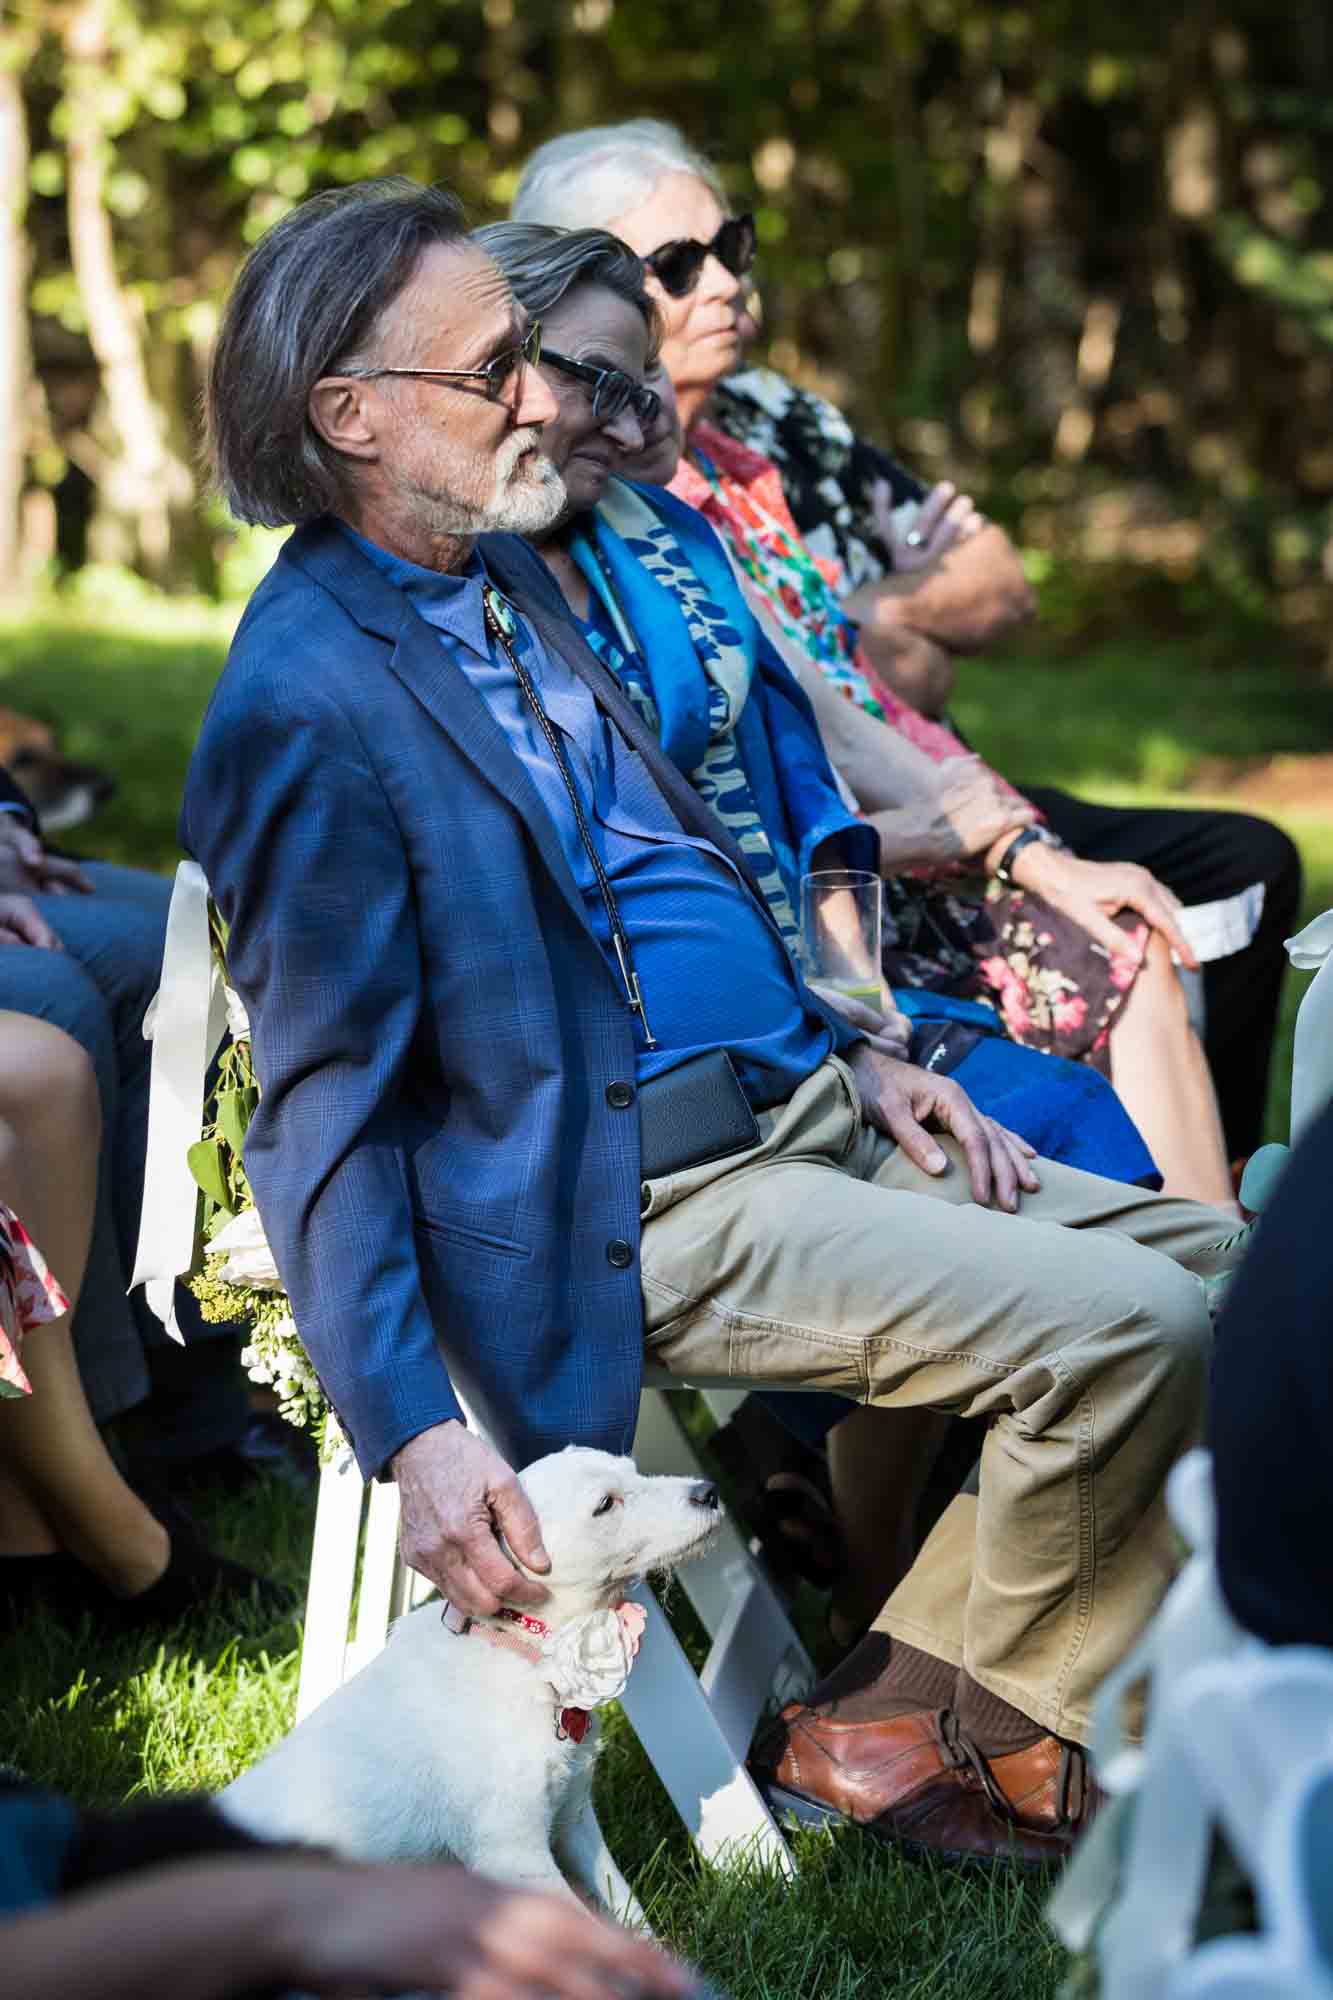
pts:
[28, 1296]
[1054, 987]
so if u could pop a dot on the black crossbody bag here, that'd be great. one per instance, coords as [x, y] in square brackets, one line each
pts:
[697, 1111]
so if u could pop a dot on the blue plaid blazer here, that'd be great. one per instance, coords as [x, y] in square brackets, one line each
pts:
[448, 1183]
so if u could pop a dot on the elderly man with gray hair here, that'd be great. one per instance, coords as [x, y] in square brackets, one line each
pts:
[542, 1087]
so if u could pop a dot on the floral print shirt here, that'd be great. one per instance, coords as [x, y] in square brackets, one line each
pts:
[828, 472]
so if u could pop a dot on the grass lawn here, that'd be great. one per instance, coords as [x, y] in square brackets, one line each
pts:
[1130, 720]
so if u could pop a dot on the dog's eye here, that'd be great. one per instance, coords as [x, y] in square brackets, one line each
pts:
[605, 1506]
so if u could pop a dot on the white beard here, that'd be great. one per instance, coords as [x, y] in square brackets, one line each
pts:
[527, 506]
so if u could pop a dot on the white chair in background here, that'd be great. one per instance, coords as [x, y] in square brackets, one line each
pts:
[1225, 1712]
[1311, 950]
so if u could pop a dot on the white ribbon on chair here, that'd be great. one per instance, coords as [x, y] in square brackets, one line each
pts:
[186, 1024]
[1311, 950]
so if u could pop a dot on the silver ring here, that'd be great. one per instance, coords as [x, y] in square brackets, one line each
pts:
[914, 538]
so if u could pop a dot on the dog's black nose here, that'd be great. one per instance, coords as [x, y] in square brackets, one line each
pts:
[704, 1494]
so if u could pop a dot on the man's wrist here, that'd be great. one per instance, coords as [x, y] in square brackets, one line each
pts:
[408, 1451]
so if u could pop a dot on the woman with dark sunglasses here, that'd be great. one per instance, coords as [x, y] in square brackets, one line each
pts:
[668, 204]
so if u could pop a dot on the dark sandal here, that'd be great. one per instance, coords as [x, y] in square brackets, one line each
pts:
[800, 1518]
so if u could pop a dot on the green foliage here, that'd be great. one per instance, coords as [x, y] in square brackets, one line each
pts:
[1035, 240]
[273, 1354]
[208, 1164]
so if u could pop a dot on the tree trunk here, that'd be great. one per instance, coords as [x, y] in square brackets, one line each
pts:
[15, 357]
[145, 481]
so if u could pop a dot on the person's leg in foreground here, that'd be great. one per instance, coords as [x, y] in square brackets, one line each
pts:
[74, 1534]
[60, 1491]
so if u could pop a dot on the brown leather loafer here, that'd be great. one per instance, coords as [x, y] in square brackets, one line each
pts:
[913, 1779]
[1047, 1787]
[823, 1768]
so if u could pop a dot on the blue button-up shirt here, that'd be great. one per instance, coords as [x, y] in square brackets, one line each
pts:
[712, 969]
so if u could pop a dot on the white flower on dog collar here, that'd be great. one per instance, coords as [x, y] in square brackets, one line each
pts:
[588, 1660]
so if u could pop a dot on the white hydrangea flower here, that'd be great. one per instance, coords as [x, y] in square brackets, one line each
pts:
[588, 1660]
[248, 1259]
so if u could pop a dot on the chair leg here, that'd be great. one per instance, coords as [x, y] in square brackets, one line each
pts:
[375, 1608]
[708, 1785]
[727, 1575]
[328, 1602]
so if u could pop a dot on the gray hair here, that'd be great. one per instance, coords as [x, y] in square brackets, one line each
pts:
[543, 265]
[587, 178]
[308, 297]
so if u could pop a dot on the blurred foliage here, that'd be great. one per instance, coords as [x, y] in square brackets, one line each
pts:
[1079, 255]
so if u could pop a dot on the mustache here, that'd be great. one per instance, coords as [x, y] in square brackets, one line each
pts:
[517, 446]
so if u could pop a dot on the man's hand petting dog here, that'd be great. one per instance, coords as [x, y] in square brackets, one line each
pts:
[26, 869]
[901, 1101]
[457, 1496]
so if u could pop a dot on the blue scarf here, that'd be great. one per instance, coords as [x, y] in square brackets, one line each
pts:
[691, 657]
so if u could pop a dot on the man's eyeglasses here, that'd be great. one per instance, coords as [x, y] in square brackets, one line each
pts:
[499, 374]
[676, 266]
[612, 389]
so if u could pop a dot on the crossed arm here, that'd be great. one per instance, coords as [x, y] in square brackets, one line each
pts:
[956, 587]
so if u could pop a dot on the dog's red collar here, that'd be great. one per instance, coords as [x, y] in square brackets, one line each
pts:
[525, 1621]
[571, 1723]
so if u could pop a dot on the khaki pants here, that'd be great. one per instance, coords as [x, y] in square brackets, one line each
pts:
[825, 1258]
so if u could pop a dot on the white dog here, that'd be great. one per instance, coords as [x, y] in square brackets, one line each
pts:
[476, 1744]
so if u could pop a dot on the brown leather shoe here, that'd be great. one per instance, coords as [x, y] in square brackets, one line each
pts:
[1047, 1787]
[913, 1779]
[854, 1770]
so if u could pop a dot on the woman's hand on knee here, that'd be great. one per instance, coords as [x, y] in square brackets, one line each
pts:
[21, 922]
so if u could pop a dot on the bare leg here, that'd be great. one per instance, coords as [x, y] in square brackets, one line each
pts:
[879, 1461]
[51, 1451]
[24, 1528]
[1161, 1074]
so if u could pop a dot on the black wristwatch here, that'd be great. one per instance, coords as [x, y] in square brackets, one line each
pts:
[1004, 867]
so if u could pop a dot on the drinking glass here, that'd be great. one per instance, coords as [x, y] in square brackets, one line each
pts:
[842, 922]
